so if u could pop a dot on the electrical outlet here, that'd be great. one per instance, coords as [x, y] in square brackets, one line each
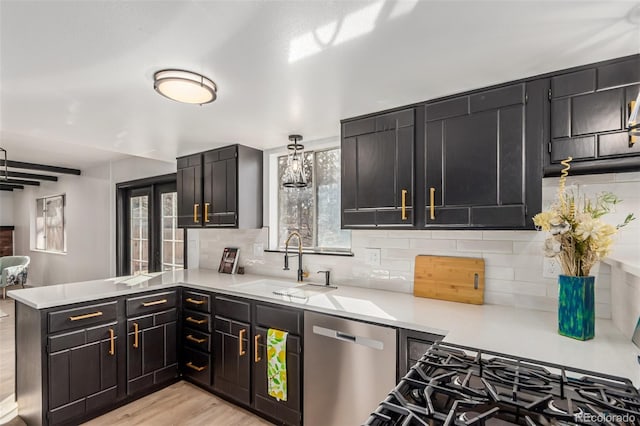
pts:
[372, 256]
[258, 250]
[550, 268]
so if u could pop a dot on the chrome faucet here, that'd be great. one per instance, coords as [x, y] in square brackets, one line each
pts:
[286, 254]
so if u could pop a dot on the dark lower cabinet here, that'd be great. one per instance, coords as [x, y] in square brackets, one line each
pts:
[151, 350]
[412, 345]
[232, 359]
[288, 412]
[82, 368]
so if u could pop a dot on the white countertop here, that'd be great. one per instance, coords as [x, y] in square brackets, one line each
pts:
[515, 331]
[626, 262]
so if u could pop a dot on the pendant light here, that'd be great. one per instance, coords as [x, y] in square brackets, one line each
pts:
[294, 176]
[634, 118]
[185, 86]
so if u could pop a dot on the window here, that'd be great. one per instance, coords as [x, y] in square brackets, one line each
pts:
[50, 232]
[313, 211]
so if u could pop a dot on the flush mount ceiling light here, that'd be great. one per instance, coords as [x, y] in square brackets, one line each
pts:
[294, 176]
[185, 86]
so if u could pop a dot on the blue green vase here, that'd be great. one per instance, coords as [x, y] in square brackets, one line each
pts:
[576, 307]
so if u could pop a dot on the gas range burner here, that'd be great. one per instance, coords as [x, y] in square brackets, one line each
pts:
[564, 407]
[472, 418]
[454, 385]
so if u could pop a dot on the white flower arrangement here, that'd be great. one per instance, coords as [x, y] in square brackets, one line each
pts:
[579, 238]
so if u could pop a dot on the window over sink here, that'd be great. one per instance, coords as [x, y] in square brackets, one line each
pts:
[313, 211]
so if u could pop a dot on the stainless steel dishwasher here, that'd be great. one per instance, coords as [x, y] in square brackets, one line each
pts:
[349, 367]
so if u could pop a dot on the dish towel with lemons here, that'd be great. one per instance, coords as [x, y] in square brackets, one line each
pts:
[277, 364]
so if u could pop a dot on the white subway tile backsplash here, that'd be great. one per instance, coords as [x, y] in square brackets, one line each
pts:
[433, 244]
[513, 259]
[456, 235]
[485, 246]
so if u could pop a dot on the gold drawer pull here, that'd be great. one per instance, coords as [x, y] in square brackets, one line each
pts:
[404, 204]
[195, 367]
[195, 213]
[155, 302]
[195, 339]
[256, 354]
[112, 343]
[86, 316]
[432, 197]
[195, 321]
[241, 350]
[195, 302]
[206, 212]
[135, 334]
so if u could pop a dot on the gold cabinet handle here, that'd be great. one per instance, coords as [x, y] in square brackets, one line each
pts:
[195, 367]
[196, 321]
[195, 213]
[256, 353]
[195, 339]
[632, 139]
[135, 334]
[241, 350]
[432, 201]
[155, 302]
[206, 212]
[194, 301]
[404, 204]
[86, 316]
[112, 342]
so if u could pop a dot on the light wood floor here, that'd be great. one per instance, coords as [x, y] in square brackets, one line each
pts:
[180, 404]
[7, 351]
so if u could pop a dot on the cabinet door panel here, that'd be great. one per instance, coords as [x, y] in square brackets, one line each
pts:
[433, 167]
[471, 159]
[497, 98]
[574, 83]
[619, 73]
[232, 368]
[348, 191]
[511, 153]
[561, 124]
[59, 379]
[616, 144]
[189, 187]
[108, 366]
[84, 371]
[577, 148]
[376, 154]
[597, 112]
[152, 349]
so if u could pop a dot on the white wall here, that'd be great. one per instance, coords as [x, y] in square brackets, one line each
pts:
[90, 220]
[513, 259]
[6, 208]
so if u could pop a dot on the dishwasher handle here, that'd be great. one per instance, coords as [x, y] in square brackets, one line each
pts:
[349, 338]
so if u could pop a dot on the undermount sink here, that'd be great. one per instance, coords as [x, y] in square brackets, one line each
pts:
[283, 288]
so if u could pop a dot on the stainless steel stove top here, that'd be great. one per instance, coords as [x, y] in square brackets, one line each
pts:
[457, 385]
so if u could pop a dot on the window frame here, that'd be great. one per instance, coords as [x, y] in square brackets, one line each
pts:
[46, 249]
[274, 206]
[153, 187]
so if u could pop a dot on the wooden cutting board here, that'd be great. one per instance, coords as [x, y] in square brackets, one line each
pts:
[458, 279]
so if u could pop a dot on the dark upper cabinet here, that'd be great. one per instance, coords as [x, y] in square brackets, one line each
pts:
[589, 113]
[480, 168]
[189, 187]
[377, 170]
[221, 188]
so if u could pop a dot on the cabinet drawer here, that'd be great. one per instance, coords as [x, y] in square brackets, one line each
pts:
[196, 339]
[151, 303]
[197, 366]
[197, 321]
[236, 309]
[196, 301]
[82, 317]
[282, 319]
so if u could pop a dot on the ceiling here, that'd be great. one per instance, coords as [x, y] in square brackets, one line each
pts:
[76, 76]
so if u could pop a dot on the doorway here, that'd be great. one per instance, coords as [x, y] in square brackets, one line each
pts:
[147, 233]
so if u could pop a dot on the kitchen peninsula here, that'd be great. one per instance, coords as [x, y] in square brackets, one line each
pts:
[519, 332]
